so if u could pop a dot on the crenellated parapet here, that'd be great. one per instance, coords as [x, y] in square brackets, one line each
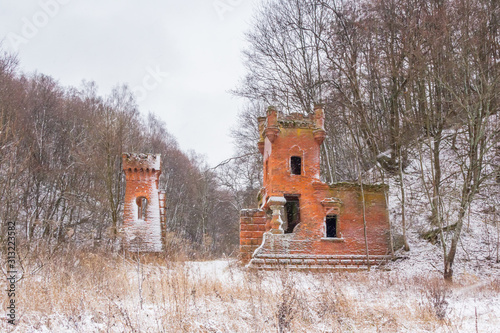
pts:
[141, 167]
[134, 162]
[275, 122]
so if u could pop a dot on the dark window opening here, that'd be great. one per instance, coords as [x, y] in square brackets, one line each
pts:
[142, 204]
[331, 226]
[296, 165]
[292, 213]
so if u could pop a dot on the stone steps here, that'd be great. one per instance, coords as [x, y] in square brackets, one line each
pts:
[316, 262]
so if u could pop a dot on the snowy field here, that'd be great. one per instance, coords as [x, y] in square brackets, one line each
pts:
[100, 293]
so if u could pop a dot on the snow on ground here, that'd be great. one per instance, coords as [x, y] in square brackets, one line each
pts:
[222, 296]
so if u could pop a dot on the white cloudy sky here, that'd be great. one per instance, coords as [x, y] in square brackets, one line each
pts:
[193, 47]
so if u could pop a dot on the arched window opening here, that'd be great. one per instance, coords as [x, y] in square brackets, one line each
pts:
[142, 204]
[296, 165]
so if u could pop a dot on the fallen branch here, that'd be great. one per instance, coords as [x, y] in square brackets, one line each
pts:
[432, 236]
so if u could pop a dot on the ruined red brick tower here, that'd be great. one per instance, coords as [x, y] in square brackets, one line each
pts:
[313, 224]
[144, 206]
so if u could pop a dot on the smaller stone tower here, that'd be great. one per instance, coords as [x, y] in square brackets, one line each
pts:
[144, 206]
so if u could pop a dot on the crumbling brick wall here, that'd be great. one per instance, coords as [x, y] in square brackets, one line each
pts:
[252, 227]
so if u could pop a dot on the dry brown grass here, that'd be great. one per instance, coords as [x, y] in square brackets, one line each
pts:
[78, 291]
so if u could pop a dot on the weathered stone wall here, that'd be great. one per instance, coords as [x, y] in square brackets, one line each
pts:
[350, 220]
[308, 241]
[252, 227]
[142, 172]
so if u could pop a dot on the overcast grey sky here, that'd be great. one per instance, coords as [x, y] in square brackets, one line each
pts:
[180, 57]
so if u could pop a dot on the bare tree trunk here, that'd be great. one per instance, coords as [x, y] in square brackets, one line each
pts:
[450, 257]
[436, 181]
[386, 197]
[364, 216]
[403, 205]
[498, 237]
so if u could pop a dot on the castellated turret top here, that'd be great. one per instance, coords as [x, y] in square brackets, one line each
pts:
[275, 119]
[274, 122]
[141, 161]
